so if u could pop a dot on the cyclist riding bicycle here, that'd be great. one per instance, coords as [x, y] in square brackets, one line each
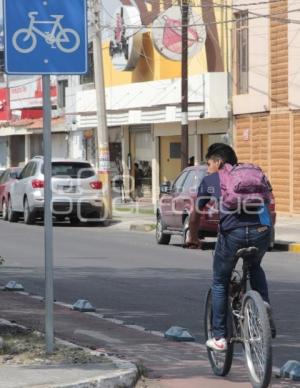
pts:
[237, 229]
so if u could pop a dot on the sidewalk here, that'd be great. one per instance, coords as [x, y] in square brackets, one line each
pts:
[166, 364]
[25, 364]
[141, 217]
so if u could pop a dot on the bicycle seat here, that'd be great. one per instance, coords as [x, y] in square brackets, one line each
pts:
[57, 17]
[246, 252]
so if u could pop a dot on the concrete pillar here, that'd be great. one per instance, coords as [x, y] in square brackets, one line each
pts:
[125, 152]
[75, 145]
[27, 148]
[155, 169]
[197, 149]
[8, 153]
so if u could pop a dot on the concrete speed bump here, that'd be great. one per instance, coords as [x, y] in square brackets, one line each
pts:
[177, 333]
[13, 286]
[291, 369]
[84, 306]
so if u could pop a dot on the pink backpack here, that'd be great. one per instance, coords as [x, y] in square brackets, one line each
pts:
[243, 185]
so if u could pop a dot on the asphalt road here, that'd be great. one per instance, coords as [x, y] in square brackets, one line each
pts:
[125, 275]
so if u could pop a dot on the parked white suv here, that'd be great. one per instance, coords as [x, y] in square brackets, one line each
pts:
[76, 192]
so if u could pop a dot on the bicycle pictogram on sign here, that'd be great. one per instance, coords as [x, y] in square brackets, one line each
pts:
[45, 36]
[66, 40]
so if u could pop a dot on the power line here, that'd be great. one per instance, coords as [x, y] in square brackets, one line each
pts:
[273, 16]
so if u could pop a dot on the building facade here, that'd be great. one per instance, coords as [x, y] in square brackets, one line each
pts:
[21, 123]
[144, 102]
[266, 101]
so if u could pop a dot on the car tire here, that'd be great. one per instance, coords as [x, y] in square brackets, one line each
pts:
[105, 223]
[74, 220]
[60, 218]
[29, 218]
[272, 242]
[161, 237]
[12, 216]
[4, 210]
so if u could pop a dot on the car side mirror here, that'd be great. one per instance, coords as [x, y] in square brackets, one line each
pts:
[165, 188]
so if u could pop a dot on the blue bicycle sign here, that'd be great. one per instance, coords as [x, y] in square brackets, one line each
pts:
[65, 39]
[45, 36]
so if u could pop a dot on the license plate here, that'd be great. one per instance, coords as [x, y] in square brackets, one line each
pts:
[67, 189]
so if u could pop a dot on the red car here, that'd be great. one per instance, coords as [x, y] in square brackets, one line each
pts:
[7, 177]
[176, 202]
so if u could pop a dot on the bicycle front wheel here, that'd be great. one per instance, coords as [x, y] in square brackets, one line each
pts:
[220, 361]
[257, 340]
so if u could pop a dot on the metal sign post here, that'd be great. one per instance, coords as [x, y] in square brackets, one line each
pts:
[46, 37]
[48, 227]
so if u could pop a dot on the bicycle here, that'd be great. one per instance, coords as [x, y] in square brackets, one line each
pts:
[247, 323]
[67, 40]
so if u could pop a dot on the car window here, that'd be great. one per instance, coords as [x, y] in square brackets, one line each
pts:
[193, 181]
[30, 171]
[72, 169]
[33, 169]
[14, 173]
[25, 171]
[4, 177]
[178, 184]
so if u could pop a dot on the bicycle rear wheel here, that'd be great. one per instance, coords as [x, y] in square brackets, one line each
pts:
[257, 340]
[220, 361]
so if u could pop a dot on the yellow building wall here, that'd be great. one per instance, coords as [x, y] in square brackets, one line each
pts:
[152, 66]
[169, 168]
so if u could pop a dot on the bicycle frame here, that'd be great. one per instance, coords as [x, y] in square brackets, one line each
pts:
[236, 300]
[56, 25]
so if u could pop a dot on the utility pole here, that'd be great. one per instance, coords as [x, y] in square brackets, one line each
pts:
[103, 158]
[184, 86]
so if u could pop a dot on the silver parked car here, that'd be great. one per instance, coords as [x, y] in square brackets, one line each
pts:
[76, 192]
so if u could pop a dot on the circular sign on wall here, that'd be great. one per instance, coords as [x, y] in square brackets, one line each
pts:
[167, 33]
[126, 45]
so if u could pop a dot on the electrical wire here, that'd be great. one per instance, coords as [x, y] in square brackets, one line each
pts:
[273, 16]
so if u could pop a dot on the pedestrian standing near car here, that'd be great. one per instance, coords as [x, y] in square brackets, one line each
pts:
[191, 161]
[138, 179]
[238, 228]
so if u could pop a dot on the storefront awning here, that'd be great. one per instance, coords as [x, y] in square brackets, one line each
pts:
[28, 126]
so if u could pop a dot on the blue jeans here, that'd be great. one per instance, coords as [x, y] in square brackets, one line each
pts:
[228, 244]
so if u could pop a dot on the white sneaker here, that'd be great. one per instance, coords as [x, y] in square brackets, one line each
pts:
[217, 344]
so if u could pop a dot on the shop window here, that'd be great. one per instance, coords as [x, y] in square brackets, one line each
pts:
[242, 52]
[89, 76]
[143, 157]
[175, 150]
[62, 85]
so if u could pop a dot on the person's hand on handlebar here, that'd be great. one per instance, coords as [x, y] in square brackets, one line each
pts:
[192, 240]
[193, 243]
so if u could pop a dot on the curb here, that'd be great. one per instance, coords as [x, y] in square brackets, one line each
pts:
[142, 227]
[117, 379]
[284, 246]
[125, 376]
[287, 246]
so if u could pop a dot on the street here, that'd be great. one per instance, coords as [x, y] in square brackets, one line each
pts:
[125, 275]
